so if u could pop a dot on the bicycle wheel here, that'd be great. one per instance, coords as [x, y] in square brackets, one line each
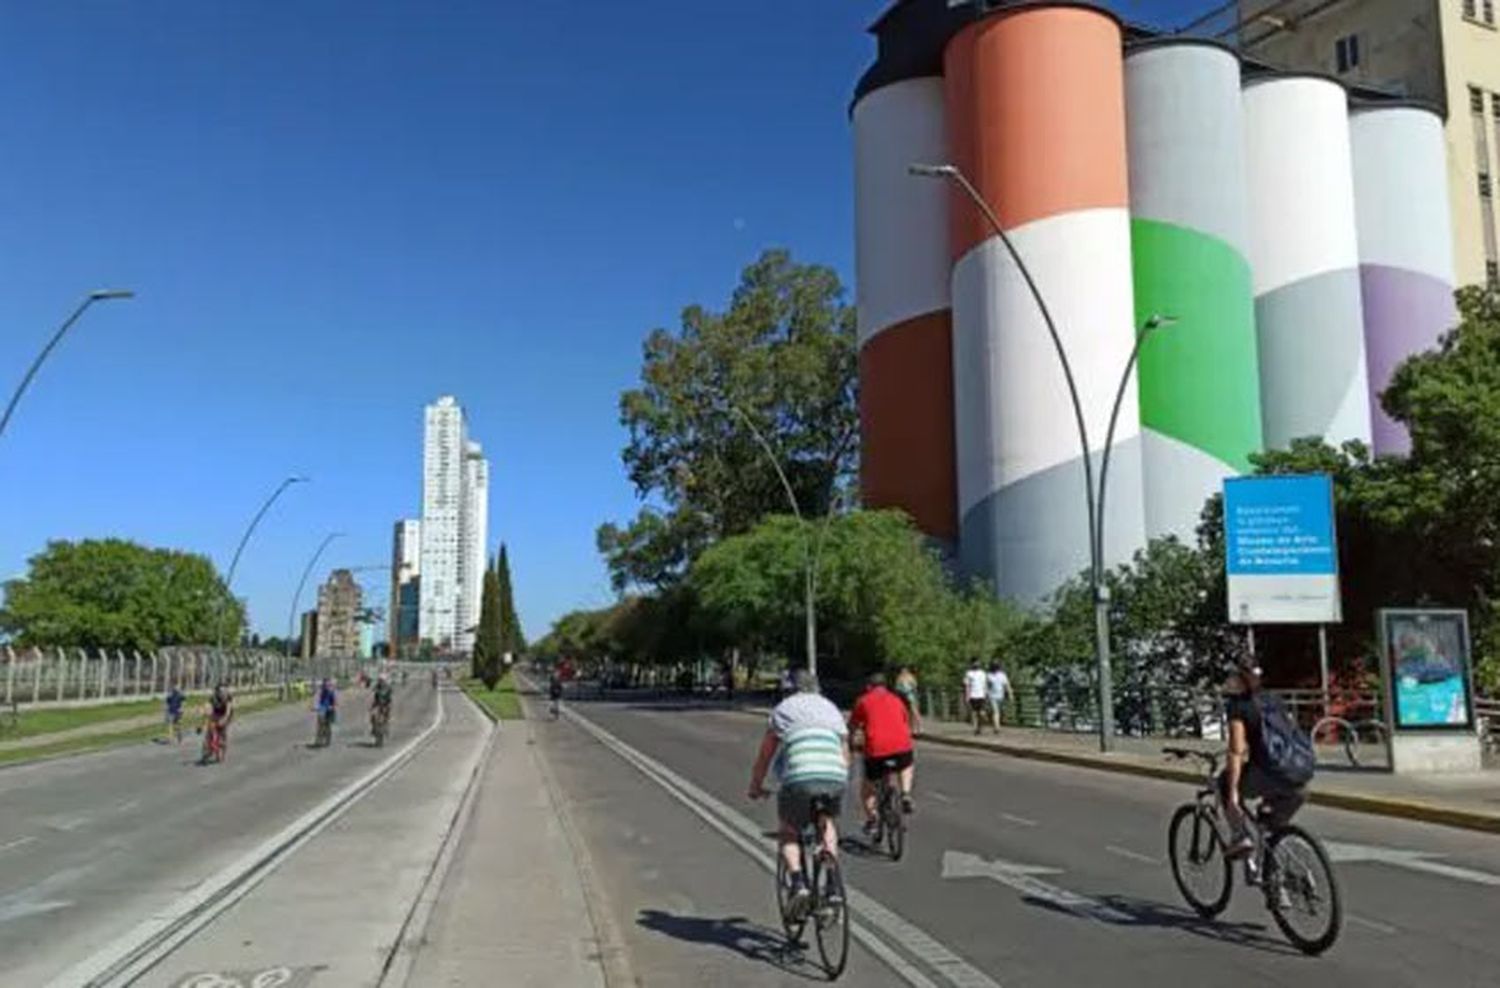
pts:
[1312, 913]
[893, 822]
[1204, 876]
[783, 896]
[830, 915]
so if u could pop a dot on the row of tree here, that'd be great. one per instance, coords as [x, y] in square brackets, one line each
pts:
[499, 634]
[712, 567]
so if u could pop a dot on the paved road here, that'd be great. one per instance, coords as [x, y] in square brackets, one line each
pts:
[90, 845]
[1081, 894]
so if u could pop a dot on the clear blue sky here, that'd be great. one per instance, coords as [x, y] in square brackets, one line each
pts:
[334, 212]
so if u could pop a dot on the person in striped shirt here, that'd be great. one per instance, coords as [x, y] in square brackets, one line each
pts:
[809, 741]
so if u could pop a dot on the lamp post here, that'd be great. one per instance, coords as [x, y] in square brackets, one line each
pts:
[244, 539]
[102, 295]
[1093, 497]
[291, 620]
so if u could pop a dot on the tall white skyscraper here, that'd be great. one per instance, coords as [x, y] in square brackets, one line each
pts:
[454, 529]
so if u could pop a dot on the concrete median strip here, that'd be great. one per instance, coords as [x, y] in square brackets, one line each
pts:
[880, 930]
[128, 957]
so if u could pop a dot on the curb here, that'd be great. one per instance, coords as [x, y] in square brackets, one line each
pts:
[1405, 809]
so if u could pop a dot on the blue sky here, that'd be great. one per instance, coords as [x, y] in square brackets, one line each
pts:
[334, 212]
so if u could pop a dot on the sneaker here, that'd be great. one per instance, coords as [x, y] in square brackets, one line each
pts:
[1277, 897]
[872, 827]
[1240, 847]
[800, 900]
[908, 806]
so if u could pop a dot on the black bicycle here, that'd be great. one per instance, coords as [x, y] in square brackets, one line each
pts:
[890, 821]
[828, 909]
[1287, 862]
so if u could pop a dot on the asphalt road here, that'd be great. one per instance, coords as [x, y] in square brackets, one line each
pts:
[89, 846]
[1056, 875]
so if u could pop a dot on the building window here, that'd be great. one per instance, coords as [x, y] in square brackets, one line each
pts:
[1489, 11]
[1492, 273]
[1476, 100]
[1346, 52]
[1486, 187]
[1469, 6]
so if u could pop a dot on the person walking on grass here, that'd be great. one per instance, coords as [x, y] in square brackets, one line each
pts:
[976, 692]
[998, 688]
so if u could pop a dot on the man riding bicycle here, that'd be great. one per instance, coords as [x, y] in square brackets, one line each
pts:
[882, 717]
[327, 704]
[809, 741]
[220, 711]
[380, 699]
[1250, 771]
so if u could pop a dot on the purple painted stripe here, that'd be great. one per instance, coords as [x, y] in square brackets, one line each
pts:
[1405, 313]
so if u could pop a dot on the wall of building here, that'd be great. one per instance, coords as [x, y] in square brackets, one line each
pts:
[1472, 54]
[442, 493]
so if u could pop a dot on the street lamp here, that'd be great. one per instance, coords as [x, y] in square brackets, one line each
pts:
[244, 539]
[1095, 500]
[103, 295]
[297, 597]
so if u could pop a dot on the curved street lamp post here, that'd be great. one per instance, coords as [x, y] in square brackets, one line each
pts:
[291, 620]
[244, 540]
[1094, 499]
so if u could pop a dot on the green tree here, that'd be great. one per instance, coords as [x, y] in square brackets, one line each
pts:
[488, 640]
[783, 355]
[111, 593]
[511, 638]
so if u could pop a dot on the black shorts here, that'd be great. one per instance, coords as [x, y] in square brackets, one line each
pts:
[794, 803]
[876, 768]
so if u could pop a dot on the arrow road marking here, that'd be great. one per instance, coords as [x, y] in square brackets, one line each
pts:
[1410, 860]
[1024, 879]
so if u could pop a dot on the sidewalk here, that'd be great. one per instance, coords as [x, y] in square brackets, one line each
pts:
[1470, 799]
[513, 909]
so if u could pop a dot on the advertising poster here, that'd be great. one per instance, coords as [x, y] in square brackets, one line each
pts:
[1280, 550]
[1427, 655]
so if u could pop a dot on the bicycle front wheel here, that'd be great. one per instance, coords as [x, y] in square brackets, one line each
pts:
[830, 915]
[1203, 874]
[1310, 913]
[793, 928]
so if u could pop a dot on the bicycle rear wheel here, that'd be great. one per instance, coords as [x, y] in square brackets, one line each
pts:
[793, 928]
[1312, 914]
[1203, 874]
[893, 822]
[830, 915]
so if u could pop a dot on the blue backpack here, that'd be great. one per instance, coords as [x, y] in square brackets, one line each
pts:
[1287, 753]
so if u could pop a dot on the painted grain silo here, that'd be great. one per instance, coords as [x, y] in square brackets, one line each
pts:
[905, 323]
[1304, 260]
[1405, 245]
[1190, 233]
[1036, 119]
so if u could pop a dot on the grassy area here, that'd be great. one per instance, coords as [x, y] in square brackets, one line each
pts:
[503, 702]
[50, 720]
[106, 739]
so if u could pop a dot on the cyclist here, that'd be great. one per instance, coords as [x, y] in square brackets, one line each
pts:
[1248, 772]
[555, 691]
[882, 718]
[380, 700]
[327, 704]
[220, 711]
[809, 740]
[174, 701]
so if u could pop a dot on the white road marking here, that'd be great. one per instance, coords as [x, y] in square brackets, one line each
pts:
[18, 910]
[1125, 852]
[1410, 860]
[18, 842]
[1018, 820]
[747, 836]
[1375, 925]
[1023, 878]
[940, 797]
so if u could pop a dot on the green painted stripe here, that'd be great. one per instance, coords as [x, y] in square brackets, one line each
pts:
[1199, 378]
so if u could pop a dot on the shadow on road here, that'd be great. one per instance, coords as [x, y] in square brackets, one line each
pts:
[735, 933]
[1158, 915]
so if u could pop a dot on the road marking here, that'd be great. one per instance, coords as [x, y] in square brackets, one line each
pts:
[18, 842]
[1023, 878]
[940, 797]
[23, 908]
[137, 951]
[1410, 860]
[1375, 925]
[746, 835]
[127, 806]
[1019, 820]
[1125, 852]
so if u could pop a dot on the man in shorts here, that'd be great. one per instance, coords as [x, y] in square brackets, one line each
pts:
[809, 741]
[977, 693]
[882, 718]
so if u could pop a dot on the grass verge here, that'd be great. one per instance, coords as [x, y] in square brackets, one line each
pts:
[109, 739]
[502, 703]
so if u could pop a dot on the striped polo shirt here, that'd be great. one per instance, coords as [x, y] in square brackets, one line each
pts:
[812, 733]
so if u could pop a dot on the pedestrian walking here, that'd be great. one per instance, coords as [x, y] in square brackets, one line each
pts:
[998, 688]
[976, 691]
[906, 689]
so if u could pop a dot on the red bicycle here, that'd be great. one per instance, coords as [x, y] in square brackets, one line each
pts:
[213, 742]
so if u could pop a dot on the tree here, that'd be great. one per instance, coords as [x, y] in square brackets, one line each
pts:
[488, 640]
[783, 355]
[111, 593]
[511, 638]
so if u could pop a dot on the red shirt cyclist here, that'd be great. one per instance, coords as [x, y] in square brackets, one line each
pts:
[883, 719]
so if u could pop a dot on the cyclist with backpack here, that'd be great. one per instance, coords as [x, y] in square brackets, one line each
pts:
[1270, 757]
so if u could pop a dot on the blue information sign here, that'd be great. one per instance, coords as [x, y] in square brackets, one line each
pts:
[1280, 550]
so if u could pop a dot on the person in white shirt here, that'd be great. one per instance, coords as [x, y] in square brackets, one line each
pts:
[976, 691]
[999, 689]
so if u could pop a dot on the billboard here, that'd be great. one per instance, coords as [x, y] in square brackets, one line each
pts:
[1425, 655]
[1280, 550]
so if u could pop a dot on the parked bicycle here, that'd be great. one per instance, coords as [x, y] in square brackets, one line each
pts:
[890, 821]
[829, 909]
[1288, 863]
[1349, 735]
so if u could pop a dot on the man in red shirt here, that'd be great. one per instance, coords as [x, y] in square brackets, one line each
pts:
[881, 716]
